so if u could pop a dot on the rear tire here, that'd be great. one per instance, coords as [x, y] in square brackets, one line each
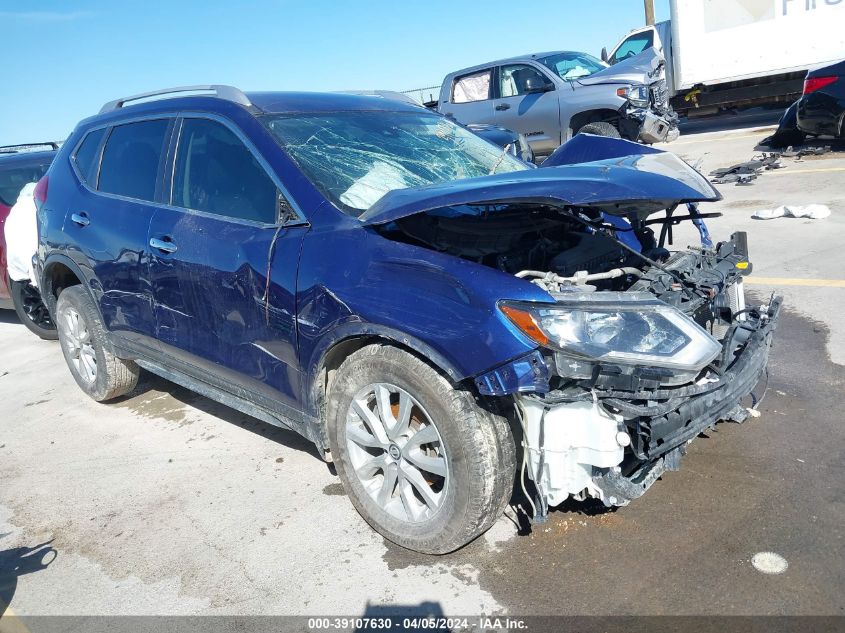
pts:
[430, 495]
[31, 310]
[600, 128]
[97, 371]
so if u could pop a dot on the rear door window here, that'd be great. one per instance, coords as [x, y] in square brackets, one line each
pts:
[87, 155]
[474, 87]
[131, 159]
[217, 173]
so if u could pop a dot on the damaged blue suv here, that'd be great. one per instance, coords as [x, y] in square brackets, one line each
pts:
[442, 320]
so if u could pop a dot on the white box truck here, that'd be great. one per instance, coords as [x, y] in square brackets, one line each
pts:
[729, 53]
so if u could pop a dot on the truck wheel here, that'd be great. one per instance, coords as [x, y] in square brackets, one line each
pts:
[31, 310]
[600, 128]
[421, 461]
[97, 371]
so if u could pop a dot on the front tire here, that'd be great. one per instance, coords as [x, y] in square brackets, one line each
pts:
[97, 371]
[600, 128]
[31, 310]
[421, 461]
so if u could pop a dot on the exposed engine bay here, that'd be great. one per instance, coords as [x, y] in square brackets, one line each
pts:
[568, 250]
[643, 348]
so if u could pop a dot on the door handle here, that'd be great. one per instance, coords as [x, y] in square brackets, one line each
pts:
[80, 218]
[165, 246]
[503, 106]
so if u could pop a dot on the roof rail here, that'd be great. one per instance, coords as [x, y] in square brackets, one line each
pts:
[12, 149]
[229, 93]
[393, 95]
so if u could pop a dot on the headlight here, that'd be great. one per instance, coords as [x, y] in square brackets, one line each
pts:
[637, 95]
[626, 328]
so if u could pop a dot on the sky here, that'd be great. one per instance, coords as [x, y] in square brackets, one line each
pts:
[63, 59]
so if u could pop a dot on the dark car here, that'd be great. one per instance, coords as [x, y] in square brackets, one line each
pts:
[19, 165]
[819, 112]
[427, 309]
[821, 109]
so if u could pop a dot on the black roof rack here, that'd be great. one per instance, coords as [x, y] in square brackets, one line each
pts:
[14, 149]
[229, 93]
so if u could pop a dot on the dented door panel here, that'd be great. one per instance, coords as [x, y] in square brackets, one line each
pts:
[212, 304]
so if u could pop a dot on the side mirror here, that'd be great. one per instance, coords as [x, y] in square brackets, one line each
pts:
[604, 54]
[533, 85]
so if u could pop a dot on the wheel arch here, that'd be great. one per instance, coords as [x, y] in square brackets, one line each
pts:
[606, 115]
[352, 337]
[59, 272]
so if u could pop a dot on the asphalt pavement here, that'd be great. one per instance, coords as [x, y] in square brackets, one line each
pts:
[168, 503]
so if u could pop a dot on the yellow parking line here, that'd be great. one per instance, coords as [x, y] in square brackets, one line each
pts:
[780, 281]
[10, 623]
[807, 171]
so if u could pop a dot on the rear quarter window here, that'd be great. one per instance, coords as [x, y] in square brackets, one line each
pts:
[87, 156]
[131, 158]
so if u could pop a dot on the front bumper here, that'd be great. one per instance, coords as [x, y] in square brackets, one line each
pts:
[647, 126]
[657, 129]
[656, 123]
[614, 447]
[655, 436]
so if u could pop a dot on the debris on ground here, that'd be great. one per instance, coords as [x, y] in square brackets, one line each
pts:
[800, 152]
[744, 173]
[811, 211]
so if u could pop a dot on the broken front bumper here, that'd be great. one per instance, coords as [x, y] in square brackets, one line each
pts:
[647, 125]
[613, 446]
[657, 129]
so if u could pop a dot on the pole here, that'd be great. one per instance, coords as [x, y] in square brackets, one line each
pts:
[649, 12]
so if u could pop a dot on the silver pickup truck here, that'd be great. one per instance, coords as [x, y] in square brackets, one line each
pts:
[549, 97]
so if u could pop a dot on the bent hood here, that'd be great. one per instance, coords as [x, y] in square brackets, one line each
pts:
[615, 176]
[642, 69]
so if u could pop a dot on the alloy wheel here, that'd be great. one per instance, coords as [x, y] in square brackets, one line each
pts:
[76, 338]
[34, 307]
[397, 452]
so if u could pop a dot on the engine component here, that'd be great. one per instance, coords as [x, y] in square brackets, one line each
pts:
[552, 283]
[595, 253]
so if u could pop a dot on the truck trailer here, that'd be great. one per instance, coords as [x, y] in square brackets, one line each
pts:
[731, 53]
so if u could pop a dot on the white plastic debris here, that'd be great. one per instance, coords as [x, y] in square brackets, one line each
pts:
[21, 234]
[811, 211]
[769, 563]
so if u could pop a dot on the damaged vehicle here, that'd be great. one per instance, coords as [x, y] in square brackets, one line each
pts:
[550, 97]
[438, 318]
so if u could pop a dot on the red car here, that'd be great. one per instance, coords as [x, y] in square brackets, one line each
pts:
[19, 165]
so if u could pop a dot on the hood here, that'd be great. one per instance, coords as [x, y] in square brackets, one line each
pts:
[644, 68]
[616, 176]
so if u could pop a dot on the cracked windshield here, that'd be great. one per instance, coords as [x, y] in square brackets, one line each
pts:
[355, 158]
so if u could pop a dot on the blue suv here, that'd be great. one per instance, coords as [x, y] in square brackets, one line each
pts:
[426, 308]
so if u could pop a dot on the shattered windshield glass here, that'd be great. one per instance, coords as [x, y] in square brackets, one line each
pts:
[572, 65]
[356, 157]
